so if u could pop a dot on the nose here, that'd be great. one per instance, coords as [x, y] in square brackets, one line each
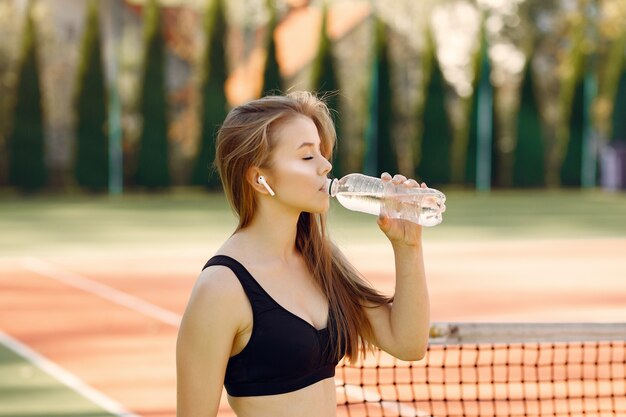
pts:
[326, 166]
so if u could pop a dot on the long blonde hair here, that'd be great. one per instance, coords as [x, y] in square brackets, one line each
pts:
[245, 140]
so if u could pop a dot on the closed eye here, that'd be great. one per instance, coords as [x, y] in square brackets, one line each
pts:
[308, 158]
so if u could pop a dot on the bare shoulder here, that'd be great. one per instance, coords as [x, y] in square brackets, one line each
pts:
[218, 294]
[218, 279]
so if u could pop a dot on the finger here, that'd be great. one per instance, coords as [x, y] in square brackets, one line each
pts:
[398, 179]
[411, 183]
[383, 222]
[424, 185]
[385, 176]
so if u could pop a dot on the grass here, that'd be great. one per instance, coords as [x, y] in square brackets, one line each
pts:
[60, 223]
[26, 391]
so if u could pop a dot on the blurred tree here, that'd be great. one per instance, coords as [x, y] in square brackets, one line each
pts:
[272, 80]
[7, 31]
[91, 166]
[570, 171]
[472, 140]
[610, 55]
[215, 105]
[434, 166]
[27, 169]
[565, 160]
[325, 82]
[153, 164]
[528, 163]
[387, 160]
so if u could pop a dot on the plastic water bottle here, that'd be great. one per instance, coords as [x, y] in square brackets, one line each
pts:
[358, 192]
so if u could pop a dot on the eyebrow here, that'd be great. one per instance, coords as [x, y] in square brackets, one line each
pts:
[306, 144]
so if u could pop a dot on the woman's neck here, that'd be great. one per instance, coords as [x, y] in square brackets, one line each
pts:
[269, 237]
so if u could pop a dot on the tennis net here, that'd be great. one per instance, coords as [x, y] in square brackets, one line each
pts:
[495, 369]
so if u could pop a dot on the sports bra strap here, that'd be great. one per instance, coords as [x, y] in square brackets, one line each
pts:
[259, 299]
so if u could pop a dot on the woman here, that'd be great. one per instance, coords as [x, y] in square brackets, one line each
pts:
[278, 305]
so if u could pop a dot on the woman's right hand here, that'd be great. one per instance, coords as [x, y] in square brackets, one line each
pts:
[400, 232]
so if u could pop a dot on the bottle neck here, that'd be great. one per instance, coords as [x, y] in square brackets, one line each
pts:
[331, 186]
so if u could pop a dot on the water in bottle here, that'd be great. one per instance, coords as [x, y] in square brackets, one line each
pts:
[371, 195]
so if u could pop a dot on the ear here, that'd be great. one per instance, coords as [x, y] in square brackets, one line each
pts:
[252, 177]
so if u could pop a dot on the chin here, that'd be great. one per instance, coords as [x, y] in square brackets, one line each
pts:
[318, 210]
[320, 206]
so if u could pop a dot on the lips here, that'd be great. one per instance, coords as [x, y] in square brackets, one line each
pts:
[326, 186]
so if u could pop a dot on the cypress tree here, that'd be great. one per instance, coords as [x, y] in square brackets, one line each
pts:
[215, 105]
[92, 153]
[27, 169]
[528, 166]
[325, 83]
[434, 167]
[570, 170]
[272, 81]
[386, 151]
[152, 168]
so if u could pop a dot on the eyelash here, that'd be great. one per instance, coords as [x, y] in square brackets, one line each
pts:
[308, 158]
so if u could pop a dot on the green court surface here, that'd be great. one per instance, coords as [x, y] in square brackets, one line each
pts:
[27, 391]
[53, 224]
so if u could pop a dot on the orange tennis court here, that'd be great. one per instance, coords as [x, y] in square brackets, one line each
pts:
[107, 315]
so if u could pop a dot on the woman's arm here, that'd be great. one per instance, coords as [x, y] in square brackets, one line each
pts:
[402, 328]
[205, 339]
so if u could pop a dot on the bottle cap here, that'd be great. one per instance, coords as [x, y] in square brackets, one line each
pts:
[329, 185]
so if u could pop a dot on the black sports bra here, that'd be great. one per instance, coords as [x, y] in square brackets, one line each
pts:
[285, 353]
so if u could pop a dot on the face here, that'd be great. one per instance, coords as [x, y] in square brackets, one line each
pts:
[299, 171]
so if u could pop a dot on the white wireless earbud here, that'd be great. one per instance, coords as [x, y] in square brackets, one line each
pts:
[264, 183]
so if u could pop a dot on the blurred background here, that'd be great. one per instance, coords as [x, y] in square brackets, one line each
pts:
[516, 109]
[121, 96]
